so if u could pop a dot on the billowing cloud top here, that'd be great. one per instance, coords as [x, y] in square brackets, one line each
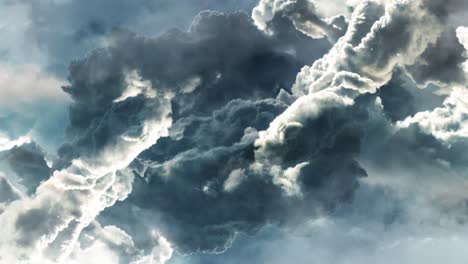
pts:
[337, 131]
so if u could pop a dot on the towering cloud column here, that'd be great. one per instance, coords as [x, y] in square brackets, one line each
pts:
[380, 36]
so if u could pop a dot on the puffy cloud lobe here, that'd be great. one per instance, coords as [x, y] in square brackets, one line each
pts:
[300, 143]
[206, 147]
[303, 15]
[108, 133]
[123, 100]
[184, 193]
[367, 74]
[462, 35]
[6, 143]
[335, 7]
[111, 244]
[185, 179]
[240, 58]
[441, 62]
[235, 178]
[93, 180]
[448, 122]
[380, 220]
[363, 59]
[255, 71]
[401, 97]
[190, 115]
[198, 161]
[359, 62]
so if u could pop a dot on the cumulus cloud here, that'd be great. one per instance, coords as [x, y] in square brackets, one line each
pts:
[360, 63]
[111, 244]
[122, 106]
[303, 14]
[94, 180]
[354, 65]
[6, 143]
[184, 143]
[441, 62]
[211, 144]
[359, 60]
[446, 123]
[462, 35]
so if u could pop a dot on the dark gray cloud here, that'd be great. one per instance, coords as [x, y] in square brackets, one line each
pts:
[347, 230]
[402, 97]
[241, 62]
[201, 185]
[413, 149]
[413, 154]
[210, 150]
[206, 135]
[63, 30]
[125, 97]
[184, 187]
[441, 62]
[445, 9]
[28, 164]
[303, 14]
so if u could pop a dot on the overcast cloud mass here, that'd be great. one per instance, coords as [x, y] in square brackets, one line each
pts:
[253, 131]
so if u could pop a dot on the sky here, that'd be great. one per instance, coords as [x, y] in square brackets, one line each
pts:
[234, 131]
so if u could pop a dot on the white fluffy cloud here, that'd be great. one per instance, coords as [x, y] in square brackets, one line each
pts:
[58, 223]
[360, 62]
[302, 13]
[109, 244]
[7, 143]
[462, 34]
[48, 224]
[448, 123]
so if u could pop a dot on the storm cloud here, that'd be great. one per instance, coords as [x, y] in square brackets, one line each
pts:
[280, 127]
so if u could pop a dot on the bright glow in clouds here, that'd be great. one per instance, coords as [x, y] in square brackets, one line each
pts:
[6, 143]
[49, 224]
[271, 159]
[447, 123]
[450, 121]
[355, 65]
[303, 15]
[462, 34]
